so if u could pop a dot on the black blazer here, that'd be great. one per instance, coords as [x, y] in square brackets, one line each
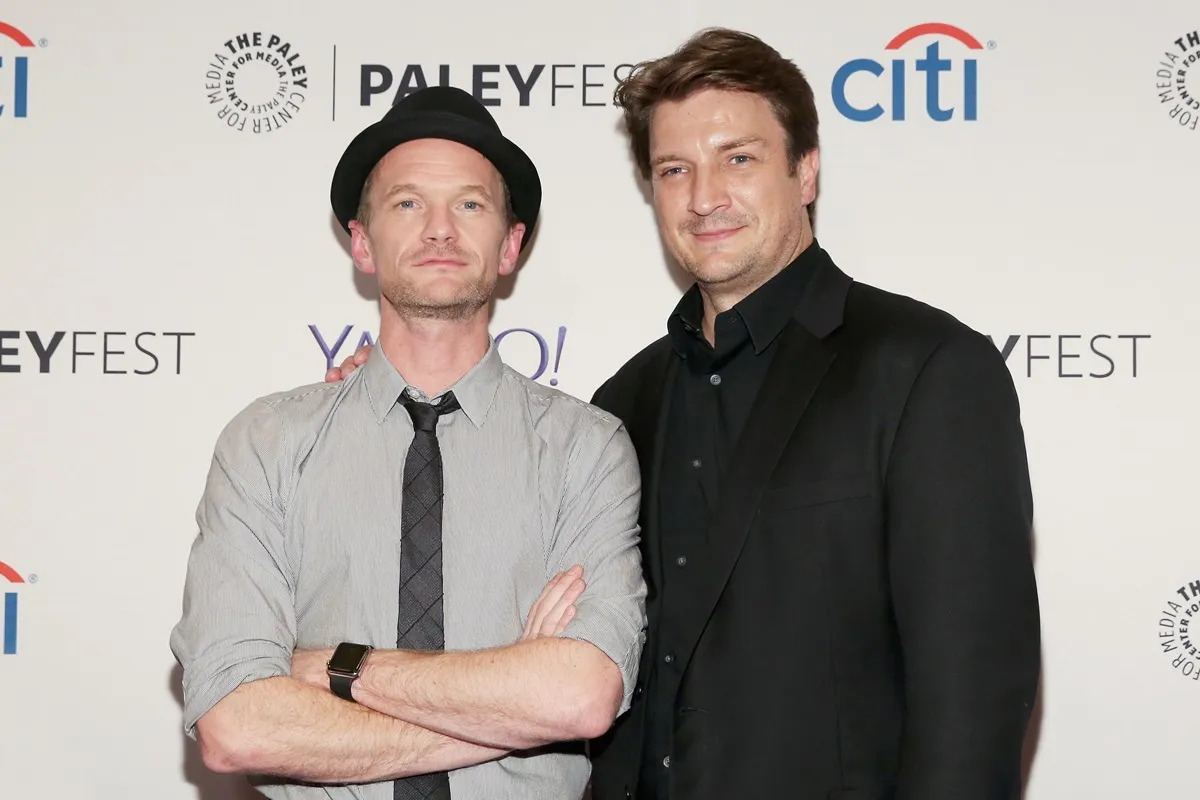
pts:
[868, 627]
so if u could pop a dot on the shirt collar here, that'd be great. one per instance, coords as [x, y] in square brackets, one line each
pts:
[474, 391]
[765, 311]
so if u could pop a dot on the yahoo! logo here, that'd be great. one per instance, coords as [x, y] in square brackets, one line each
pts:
[546, 351]
[933, 65]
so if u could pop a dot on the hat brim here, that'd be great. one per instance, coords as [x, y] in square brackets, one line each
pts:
[369, 147]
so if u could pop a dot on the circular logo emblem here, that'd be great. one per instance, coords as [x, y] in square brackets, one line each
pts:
[1179, 630]
[1178, 83]
[257, 82]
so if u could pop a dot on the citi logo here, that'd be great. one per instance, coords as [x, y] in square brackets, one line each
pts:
[9, 612]
[940, 106]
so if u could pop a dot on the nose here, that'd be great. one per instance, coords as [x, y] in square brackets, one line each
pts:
[439, 226]
[709, 192]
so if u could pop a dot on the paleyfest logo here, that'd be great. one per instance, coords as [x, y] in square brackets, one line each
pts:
[534, 353]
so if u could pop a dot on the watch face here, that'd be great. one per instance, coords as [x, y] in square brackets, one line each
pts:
[348, 658]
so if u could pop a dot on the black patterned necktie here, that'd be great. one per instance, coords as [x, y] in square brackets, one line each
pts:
[420, 624]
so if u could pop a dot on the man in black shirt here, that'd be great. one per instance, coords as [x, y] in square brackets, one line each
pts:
[836, 502]
[836, 507]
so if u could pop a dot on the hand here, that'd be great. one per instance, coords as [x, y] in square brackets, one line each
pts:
[349, 365]
[310, 667]
[556, 605]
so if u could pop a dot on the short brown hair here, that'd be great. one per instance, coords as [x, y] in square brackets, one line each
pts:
[719, 58]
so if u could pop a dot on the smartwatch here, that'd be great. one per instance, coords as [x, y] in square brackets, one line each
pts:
[345, 666]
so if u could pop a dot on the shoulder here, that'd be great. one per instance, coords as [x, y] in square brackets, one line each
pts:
[267, 434]
[902, 328]
[567, 423]
[617, 391]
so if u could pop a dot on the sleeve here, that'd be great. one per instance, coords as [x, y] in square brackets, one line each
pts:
[238, 622]
[960, 512]
[597, 527]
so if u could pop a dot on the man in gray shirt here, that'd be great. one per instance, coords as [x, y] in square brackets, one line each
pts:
[346, 631]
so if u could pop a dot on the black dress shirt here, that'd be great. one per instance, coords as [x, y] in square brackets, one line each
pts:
[711, 399]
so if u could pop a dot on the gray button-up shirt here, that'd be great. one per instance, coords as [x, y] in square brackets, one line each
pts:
[299, 540]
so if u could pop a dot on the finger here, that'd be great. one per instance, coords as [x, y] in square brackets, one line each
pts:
[333, 376]
[362, 354]
[565, 600]
[533, 616]
[568, 615]
[550, 596]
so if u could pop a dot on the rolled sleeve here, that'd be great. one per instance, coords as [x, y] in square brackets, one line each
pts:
[598, 529]
[238, 622]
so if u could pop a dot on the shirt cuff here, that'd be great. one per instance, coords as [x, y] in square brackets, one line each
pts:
[206, 684]
[611, 627]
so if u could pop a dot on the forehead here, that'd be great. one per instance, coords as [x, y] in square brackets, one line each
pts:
[435, 161]
[712, 115]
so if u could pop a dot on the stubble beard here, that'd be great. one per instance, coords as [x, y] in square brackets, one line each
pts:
[410, 302]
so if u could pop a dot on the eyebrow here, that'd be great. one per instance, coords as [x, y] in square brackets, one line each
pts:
[412, 187]
[723, 147]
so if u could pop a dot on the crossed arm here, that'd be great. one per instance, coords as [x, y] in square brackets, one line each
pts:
[294, 727]
[258, 706]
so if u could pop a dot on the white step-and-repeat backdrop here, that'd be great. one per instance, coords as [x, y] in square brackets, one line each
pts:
[167, 253]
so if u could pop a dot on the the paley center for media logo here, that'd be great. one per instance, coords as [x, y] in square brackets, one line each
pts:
[10, 613]
[16, 49]
[1178, 633]
[1178, 83]
[256, 82]
[945, 71]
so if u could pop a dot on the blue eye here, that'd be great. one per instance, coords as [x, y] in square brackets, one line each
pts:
[471, 204]
[405, 204]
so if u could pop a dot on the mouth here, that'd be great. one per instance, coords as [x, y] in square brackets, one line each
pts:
[717, 235]
[445, 263]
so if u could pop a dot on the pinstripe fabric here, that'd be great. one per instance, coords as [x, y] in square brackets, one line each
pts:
[299, 541]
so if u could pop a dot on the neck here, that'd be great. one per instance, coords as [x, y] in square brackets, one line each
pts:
[720, 297]
[432, 354]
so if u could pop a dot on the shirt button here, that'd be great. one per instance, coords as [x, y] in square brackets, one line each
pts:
[696, 463]
[667, 762]
[681, 561]
[669, 657]
[715, 380]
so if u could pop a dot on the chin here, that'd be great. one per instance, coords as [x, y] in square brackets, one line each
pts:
[714, 270]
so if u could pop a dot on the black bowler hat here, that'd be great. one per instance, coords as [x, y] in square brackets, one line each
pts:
[437, 112]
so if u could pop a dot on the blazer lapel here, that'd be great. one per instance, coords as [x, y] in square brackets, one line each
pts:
[796, 370]
[649, 429]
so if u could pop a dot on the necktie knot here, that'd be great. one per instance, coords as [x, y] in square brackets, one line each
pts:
[425, 415]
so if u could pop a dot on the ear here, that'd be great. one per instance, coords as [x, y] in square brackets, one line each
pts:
[806, 170]
[511, 249]
[360, 248]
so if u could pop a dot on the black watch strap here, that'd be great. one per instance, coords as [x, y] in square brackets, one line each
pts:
[340, 685]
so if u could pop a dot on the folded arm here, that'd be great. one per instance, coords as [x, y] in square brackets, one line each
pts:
[959, 511]
[278, 726]
[236, 637]
[565, 688]
[516, 697]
